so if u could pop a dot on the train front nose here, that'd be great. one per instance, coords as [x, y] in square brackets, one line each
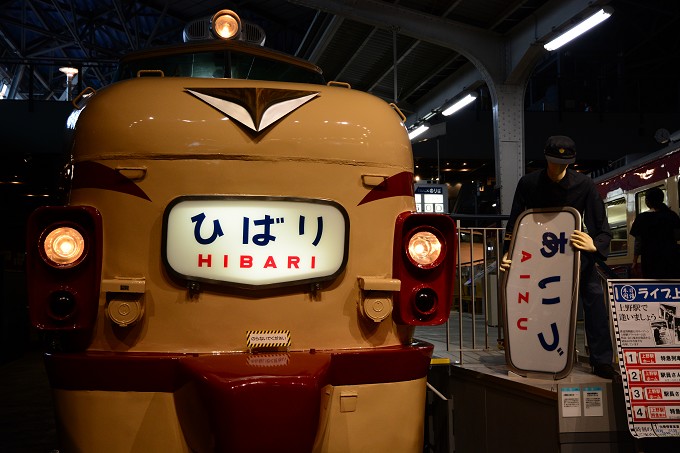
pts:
[252, 402]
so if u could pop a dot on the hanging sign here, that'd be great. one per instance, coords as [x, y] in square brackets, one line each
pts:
[432, 198]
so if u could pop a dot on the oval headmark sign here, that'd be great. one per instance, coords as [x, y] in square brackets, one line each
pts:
[254, 242]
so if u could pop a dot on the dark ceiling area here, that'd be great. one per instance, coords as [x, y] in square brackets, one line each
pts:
[622, 77]
[93, 34]
[639, 41]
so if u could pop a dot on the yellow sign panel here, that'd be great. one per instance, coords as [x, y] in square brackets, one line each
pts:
[268, 339]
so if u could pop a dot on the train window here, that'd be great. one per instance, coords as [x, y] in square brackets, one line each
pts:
[641, 202]
[220, 64]
[244, 66]
[616, 215]
[616, 211]
[204, 65]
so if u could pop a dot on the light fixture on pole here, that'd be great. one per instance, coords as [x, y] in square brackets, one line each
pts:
[70, 73]
[579, 28]
[418, 129]
[459, 104]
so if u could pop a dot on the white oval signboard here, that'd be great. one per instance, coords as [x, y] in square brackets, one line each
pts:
[541, 292]
[254, 242]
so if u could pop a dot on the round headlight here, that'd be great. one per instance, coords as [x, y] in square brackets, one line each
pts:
[226, 24]
[424, 249]
[64, 246]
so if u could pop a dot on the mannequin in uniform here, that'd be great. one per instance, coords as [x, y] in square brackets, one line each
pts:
[559, 186]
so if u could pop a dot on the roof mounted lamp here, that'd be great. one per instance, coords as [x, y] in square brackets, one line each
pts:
[580, 28]
[226, 24]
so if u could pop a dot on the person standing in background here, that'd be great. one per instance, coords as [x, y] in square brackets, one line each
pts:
[656, 233]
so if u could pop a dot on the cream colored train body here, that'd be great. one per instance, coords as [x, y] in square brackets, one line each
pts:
[232, 271]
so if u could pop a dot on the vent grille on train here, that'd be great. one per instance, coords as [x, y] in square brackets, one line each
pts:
[199, 30]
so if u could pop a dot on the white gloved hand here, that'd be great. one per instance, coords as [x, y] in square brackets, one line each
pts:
[505, 262]
[582, 241]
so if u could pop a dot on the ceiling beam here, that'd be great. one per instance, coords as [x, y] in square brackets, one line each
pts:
[322, 44]
[498, 59]
[508, 12]
[310, 27]
[44, 46]
[123, 23]
[19, 73]
[426, 27]
[394, 66]
[76, 39]
[433, 73]
[159, 20]
[32, 28]
[356, 53]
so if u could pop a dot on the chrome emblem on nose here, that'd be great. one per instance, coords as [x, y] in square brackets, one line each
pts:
[254, 108]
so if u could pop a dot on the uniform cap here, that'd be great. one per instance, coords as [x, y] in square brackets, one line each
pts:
[560, 149]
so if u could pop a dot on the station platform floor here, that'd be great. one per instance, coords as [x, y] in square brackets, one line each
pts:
[26, 409]
[528, 410]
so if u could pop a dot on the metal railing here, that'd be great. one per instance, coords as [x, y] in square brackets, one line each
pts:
[478, 284]
[477, 312]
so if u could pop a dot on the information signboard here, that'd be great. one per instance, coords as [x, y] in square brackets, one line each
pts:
[646, 316]
[540, 292]
[432, 198]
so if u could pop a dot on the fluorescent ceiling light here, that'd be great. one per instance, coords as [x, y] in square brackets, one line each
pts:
[418, 130]
[579, 29]
[429, 115]
[460, 104]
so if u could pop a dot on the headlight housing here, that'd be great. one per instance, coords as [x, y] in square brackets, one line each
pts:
[226, 24]
[424, 249]
[424, 262]
[62, 246]
[64, 249]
